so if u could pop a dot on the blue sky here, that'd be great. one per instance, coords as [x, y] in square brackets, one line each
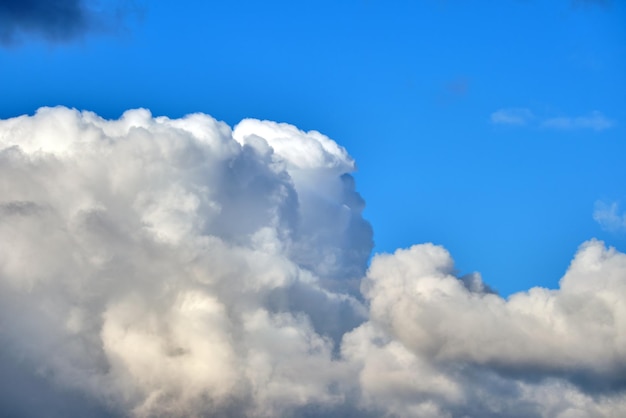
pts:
[493, 128]
[181, 266]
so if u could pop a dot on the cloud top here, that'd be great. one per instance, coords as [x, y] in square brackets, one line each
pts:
[301, 150]
[177, 267]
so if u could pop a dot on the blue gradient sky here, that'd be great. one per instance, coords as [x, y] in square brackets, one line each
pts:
[492, 128]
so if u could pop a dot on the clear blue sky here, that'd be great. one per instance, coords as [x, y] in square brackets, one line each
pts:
[493, 128]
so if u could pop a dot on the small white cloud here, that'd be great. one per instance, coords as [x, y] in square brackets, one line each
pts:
[609, 216]
[513, 116]
[595, 121]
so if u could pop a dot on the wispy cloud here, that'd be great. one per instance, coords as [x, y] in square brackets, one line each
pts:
[609, 216]
[513, 116]
[595, 121]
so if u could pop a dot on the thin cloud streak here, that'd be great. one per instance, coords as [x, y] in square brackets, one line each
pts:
[513, 116]
[595, 121]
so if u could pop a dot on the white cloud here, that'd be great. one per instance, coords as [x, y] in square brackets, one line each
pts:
[513, 116]
[151, 266]
[609, 216]
[595, 121]
[152, 263]
[524, 117]
[456, 351]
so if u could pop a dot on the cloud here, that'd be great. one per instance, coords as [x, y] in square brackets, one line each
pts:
[57, 21]
[177, 267]
[595, 121]
[609, 216]
[513, 116]
[166, 267]
[524, 117]
[435, 347]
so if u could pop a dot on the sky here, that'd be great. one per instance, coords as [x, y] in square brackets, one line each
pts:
[417, 92]
[424, 202]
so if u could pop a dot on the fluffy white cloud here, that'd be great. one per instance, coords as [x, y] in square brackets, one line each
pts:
[159, 267]
[153, 263]
[451, 347]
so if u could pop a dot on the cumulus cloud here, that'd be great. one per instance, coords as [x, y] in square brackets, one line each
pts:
[513, 116]
[177, 267]
[56, 21]
[435, 345]
[609, 216]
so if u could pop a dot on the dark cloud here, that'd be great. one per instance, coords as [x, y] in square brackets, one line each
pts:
[28, 393]
[19, 208]
[56, 21]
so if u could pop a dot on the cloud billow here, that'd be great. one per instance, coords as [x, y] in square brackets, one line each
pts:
[177, 267]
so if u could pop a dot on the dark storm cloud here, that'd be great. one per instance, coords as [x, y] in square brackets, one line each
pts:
[55, 21]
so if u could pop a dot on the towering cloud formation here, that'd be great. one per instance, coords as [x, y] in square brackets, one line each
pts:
[159, 267]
